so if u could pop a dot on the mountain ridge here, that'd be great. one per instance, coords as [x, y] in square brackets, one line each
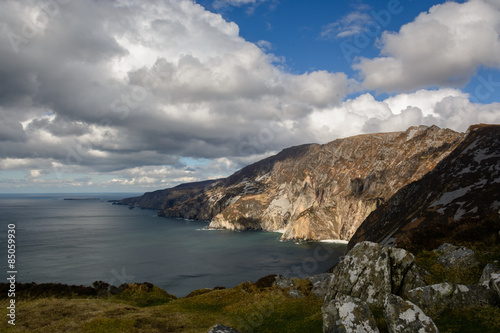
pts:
[311, 191]
[459, 198]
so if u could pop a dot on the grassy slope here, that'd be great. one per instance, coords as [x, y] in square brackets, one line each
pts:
[249, 307]
[246, 307]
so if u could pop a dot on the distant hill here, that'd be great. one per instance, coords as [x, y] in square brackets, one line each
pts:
[310, 192]
[457, 201]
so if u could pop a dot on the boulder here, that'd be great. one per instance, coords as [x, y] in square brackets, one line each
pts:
[405, 317]
[370, 271]
[283, 282]
[491, 278]
[455, 257]
[222, 329]
[439, 297]
[320, 284]
[347, 314]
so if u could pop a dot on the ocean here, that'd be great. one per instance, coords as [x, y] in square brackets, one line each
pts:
[82, 241]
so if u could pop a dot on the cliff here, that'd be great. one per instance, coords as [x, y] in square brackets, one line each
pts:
[310, 192]
[459, 199]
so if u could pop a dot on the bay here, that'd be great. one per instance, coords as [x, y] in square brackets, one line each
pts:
[81, 241]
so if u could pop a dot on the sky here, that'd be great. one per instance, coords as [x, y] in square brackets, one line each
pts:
[134, 96]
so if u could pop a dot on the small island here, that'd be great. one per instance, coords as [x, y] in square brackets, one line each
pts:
[79, 199]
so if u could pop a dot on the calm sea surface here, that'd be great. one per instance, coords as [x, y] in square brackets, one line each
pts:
[81, 241]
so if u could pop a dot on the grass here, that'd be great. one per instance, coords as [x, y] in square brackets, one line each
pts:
[484, 319]
[144, 308]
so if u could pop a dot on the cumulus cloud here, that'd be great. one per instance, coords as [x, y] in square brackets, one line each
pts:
[446, 108]
[148, 94]
[442, 47]
[112, 86]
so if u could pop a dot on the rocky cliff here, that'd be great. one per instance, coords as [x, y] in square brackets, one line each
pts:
[459, 199]
[310, 192]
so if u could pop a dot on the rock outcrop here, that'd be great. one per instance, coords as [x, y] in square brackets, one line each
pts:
[436, 298]
[222, 329]
[371, 271]
[346, 314]
[459, 199]
[405, 317]
[455, 257]
[310, 192]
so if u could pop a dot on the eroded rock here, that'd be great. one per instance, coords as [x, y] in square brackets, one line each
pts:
[222, 329]
[455, 257]
[491, 278]
[347, 314]
[320, 284]
[370, 271]
[405, 317]
[436, 298]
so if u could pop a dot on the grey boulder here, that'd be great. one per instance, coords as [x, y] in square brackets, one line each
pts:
[455, 257]
[436, 298]
[222, 329]
[370, 271]
[405, 317]
[347, 314]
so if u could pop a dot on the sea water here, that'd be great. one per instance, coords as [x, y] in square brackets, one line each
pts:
[81, 241]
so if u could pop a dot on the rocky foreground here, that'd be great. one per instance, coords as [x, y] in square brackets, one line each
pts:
[373, 289]
[310, 192]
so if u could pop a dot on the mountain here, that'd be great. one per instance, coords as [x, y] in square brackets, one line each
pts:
[310, 192]
[458, 200]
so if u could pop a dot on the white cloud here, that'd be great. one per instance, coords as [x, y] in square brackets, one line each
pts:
[447, 108]
[352, 24]
[443, 47]
[130, 89]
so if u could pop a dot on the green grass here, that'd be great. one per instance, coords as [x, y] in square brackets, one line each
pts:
[144, 308]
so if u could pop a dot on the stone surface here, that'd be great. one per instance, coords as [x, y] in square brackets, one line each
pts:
[347, 314]
[460, 195]
[491, 278]
[283, 282]
[370, 271]
[436, 298]
[405, 317]
[454, 257]
[310, 192]
[320, 284]
[222, 329]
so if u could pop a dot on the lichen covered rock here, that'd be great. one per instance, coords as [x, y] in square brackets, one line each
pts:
[405, 317]
[491, 278]
[455, 257]
[436, 298]
[370, 271]
[347, 314]
[320, 284]
[222, 329]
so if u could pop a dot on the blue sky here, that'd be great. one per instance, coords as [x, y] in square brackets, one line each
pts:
[122, 96]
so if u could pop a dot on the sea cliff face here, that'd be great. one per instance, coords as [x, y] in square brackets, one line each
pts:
[310, 192]
[459, 199]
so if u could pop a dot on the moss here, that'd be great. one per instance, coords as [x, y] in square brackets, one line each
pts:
[378, 314]
[484, 319]
[439, 274]
[109, 325]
